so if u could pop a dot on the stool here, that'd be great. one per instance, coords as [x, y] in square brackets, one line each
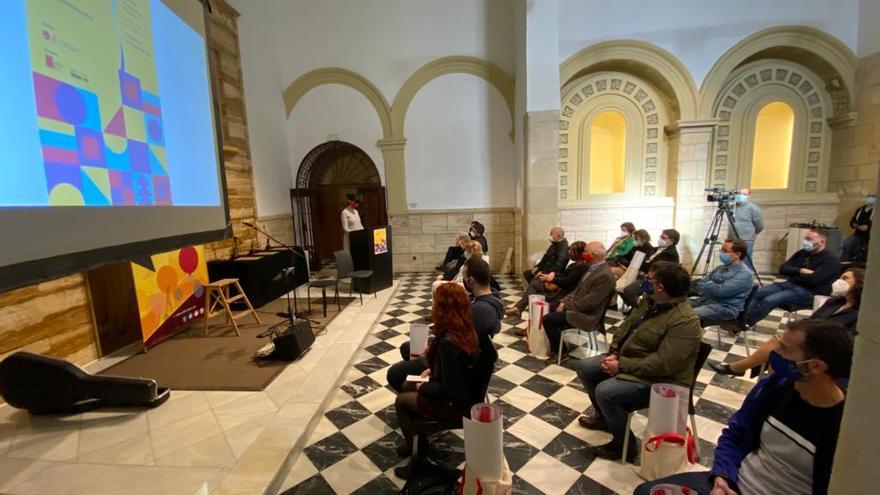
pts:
[218, 293]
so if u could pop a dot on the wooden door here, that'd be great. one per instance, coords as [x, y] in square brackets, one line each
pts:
[373, 201]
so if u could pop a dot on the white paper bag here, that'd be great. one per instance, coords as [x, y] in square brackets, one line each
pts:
[668, 489]
[668, 409]
[539, 344]
[665, 455]
[483, 450]
[418, 338]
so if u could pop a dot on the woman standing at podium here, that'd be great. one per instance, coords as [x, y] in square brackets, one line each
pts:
[351, 221]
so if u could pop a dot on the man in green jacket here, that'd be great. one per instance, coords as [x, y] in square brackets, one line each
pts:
[657, 343]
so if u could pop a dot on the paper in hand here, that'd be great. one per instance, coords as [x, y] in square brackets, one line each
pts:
[416, 378]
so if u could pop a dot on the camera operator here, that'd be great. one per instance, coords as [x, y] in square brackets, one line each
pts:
[748, 219]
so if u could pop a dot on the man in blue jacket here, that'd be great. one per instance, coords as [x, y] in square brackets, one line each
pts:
[810, 271]
[724, 290]
[782, 440]
[748, 219]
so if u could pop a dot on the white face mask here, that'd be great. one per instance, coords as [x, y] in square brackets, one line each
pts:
[663, 243]
[623, 233]
[840, 287]
[550, 238]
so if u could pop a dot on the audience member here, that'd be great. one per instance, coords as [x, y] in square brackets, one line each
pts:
[657, 343]
[585, 305]
[667, 250]
[552, 285]
[554, 259]
[641, 243]
[453, 386]
[623, 245]
[748, 220]
[476, 234]
[842, 308]
[782, 440]
[724, 290]
[471, 249]
[855, 247]
[454, 254]
[810, 271]
[486, 311]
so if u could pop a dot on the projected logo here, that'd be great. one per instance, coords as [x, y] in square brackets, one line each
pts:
[100, 125]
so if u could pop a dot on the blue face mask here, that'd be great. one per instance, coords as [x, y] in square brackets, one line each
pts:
[808, 246]
[742, 198]
[725, 258]
[871, 200]
[785, 367]
[647, 287]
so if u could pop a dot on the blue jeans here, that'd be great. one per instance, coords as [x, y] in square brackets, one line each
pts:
[774, 296]
[612, 397]
[695, 481]
[713, 311]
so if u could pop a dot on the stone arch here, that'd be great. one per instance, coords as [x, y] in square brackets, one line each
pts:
[644, 60]
[826, 56]
[335, 75]
[459, 64]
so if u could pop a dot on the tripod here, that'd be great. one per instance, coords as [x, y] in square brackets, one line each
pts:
[711, 240]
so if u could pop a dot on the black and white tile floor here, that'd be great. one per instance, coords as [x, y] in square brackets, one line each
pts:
[352, 449]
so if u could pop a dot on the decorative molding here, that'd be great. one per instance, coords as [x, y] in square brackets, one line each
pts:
[842, 121]
[659, 67]
[335, 75]
[829, 51]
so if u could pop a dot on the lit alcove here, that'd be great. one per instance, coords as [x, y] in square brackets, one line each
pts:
[607, 153]
[771, 154]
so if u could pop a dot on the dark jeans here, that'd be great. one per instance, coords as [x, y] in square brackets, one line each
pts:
[528, 275]
[855, 248]
[554, 323]
[397, 373]
[775, 296]
[695, 481]
[612, 397]
[632, 292]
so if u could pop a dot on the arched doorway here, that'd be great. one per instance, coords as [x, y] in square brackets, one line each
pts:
[328, 173]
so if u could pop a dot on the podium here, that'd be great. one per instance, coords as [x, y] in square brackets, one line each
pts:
[371, 250]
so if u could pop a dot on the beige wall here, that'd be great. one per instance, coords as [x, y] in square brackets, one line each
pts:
[278, 226]
[602, 223]
[420, 238]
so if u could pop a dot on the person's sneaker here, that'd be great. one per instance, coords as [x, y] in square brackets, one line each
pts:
[593, 423]
[404, 471]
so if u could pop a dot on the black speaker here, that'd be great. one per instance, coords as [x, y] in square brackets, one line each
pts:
[293, 342]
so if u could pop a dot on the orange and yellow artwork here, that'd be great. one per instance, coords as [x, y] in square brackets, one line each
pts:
[172, 295]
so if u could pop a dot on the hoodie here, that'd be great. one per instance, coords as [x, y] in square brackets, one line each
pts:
[487, 312]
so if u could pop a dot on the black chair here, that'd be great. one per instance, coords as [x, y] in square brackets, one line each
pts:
[345, 270]
[702, 356]
[323, 284]
[735, 326]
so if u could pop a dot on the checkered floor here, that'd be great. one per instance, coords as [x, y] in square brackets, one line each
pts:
[352, 449]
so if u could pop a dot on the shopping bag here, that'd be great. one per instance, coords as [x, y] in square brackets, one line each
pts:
[473, 485]
[486, 471]
[666, 454]
[536, 338]
[668, 408]
[418, 339]
[669, 489]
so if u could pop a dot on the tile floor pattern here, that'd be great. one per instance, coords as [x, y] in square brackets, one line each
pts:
[352, 447]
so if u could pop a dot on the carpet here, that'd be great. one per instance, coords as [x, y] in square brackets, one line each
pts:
[222, 360]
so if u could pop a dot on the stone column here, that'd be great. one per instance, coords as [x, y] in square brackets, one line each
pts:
[693, 141]
[395, 174]
[541, 179]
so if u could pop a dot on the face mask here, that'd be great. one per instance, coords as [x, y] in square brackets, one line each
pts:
[587, 256]
[840, 287]
[551, 239]
[808, 246]
[472, 233]
[786, 367]
[725, 258]
[663, 243]
[623, 233]
[647, 287]
[639, 243]
[742, 198]
[871, 200]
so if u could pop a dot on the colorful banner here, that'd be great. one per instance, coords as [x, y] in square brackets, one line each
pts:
[172, 295]
[380, 241]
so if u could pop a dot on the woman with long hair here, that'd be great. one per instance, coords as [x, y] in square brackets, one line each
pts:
[842, 308]
[451, 389]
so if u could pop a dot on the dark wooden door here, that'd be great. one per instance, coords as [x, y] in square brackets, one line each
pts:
[373, 202]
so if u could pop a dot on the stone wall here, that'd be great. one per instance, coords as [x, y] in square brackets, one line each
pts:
[420, 238]
[602, 223]
[278, 226]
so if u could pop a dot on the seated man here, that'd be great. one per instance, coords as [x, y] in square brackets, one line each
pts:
[554, 286]
[724, 290]
[782, 439]
[667, 250]
[657, 343]
[585, 305]
[476, 234]
[554, 259]
[855, 247]
[810, 271]
[486, 310]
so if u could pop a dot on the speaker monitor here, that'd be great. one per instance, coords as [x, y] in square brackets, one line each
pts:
[294, 341]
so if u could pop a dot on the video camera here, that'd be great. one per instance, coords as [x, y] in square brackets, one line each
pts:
[721, 195]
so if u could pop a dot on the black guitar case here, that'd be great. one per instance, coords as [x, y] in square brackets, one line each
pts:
[45, 385]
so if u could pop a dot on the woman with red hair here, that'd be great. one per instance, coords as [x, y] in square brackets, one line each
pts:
[451, 389]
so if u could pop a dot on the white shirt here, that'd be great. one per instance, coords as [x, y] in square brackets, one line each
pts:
[351, 220]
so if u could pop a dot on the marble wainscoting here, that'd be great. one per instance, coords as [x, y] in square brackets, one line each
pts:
[422, 237]
[602, 221]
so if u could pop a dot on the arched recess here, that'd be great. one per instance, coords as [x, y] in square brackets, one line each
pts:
[826, 56]
[459, 64]
[641, 59]
[345, 77]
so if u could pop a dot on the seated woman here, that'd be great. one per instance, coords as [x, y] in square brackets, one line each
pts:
[453, 356]
[667, 250]
[841, 308]
[555, 286]
[641, 243]
[454, 254]
[471, 249]
[622, 245]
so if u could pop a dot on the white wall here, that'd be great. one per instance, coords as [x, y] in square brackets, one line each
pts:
[542, 57]
[698, 32]
[869, 27]
[459, 155]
